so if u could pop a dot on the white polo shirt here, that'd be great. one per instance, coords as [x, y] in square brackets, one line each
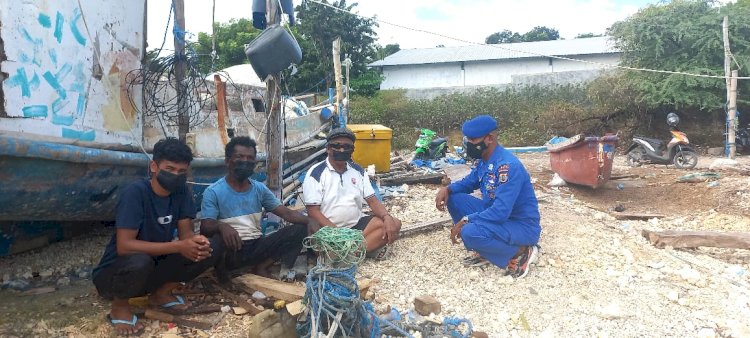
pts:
[340, 196]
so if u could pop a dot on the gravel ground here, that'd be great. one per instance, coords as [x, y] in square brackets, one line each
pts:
[596, 276]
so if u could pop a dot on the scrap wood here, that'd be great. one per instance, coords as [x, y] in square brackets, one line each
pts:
[243, 303]
[620, 177]
[633, 215]
[271, 287]
[413, 179]
[295, 308]
[213, 308]
[424, 225]
[168, 318]
[694, 239]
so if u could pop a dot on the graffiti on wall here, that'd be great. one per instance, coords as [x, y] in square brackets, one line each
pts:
[63, 65]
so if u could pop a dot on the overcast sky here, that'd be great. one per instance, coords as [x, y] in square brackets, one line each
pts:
[471, 20]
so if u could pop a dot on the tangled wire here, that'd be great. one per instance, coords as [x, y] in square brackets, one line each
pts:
[164, 97]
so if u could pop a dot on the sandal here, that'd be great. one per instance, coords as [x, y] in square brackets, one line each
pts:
[131, 322]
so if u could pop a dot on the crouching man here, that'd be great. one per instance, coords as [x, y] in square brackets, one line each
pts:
[502, 227]
[232, 208]
[142, 257]
[335, 190]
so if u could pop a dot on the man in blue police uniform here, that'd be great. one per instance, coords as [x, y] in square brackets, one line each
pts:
[502, 227]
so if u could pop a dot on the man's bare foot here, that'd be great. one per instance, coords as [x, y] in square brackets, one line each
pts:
[120, 311]
[163, 296]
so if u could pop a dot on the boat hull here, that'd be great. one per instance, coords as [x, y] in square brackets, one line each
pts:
[582, 160]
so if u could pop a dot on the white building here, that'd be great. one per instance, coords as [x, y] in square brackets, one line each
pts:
[491, 65]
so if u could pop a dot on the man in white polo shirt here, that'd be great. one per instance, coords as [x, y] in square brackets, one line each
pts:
[335, 190]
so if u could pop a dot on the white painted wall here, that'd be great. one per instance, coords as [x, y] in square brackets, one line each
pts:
[483, 73]
[422, 76]
[67, 67]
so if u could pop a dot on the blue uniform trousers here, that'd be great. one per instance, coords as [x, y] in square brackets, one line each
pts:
[494, 242]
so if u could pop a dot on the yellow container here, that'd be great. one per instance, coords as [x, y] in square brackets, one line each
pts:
[373, 146]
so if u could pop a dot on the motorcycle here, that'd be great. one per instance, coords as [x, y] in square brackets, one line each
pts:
[742, 140]
[649, 150]
[428, 147]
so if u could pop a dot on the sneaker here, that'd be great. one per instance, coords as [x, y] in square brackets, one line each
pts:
[519, 267]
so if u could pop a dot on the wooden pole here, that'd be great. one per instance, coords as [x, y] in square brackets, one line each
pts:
[732, 114]
[275, 135]
[727, 52]
[337, 72]
[727, 72]
[183, 117]
[221, 107]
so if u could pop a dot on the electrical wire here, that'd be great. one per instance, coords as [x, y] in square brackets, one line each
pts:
[499, 46]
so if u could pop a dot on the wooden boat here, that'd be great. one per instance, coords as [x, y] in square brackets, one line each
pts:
[583, 160]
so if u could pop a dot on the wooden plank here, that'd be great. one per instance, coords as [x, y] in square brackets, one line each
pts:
[424, 225]
[271, 287]
[694, 239]
[414, 179]
[620, 177]
[633, 215]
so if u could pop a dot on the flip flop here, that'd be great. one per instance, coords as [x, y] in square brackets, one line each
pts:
[131, 322]
[169, 307]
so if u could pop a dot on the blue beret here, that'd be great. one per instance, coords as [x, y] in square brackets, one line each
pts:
[479, 126]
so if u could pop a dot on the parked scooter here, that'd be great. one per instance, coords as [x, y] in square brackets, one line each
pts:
[742, 140]
[678, 151]
[428, 147]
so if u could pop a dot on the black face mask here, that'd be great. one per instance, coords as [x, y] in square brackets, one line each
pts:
[243, 169]
[171, 182]
[474, 150]
[345, 155]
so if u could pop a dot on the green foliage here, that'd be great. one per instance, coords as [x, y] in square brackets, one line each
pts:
[527, 115]
[231, 38]
[538, 33]
[684, 36]
[505, 36]
[541, 33]
[318, 27]
[383, 52]
[366, 84]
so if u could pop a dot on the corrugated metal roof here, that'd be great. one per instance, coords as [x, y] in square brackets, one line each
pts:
[596, 45]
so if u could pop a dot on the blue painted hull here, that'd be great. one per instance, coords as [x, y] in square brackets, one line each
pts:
[45, 181]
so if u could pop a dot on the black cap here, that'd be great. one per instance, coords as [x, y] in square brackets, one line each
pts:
[341, 132]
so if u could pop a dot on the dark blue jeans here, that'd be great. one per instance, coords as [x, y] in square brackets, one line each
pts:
[283, 245]
[140, 274]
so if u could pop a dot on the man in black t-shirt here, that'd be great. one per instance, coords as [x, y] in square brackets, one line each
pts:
[143, 256]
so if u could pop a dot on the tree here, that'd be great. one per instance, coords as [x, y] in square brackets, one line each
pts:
[231, 38]
[541, 33]
[683, 36]
[505, 36]
[383, 52]
[538, 33]
[318, 27]
[587, 35]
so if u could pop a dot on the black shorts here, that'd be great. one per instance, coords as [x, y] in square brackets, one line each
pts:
[362, 223]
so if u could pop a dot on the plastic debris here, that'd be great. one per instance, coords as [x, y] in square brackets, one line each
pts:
[557, 181]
